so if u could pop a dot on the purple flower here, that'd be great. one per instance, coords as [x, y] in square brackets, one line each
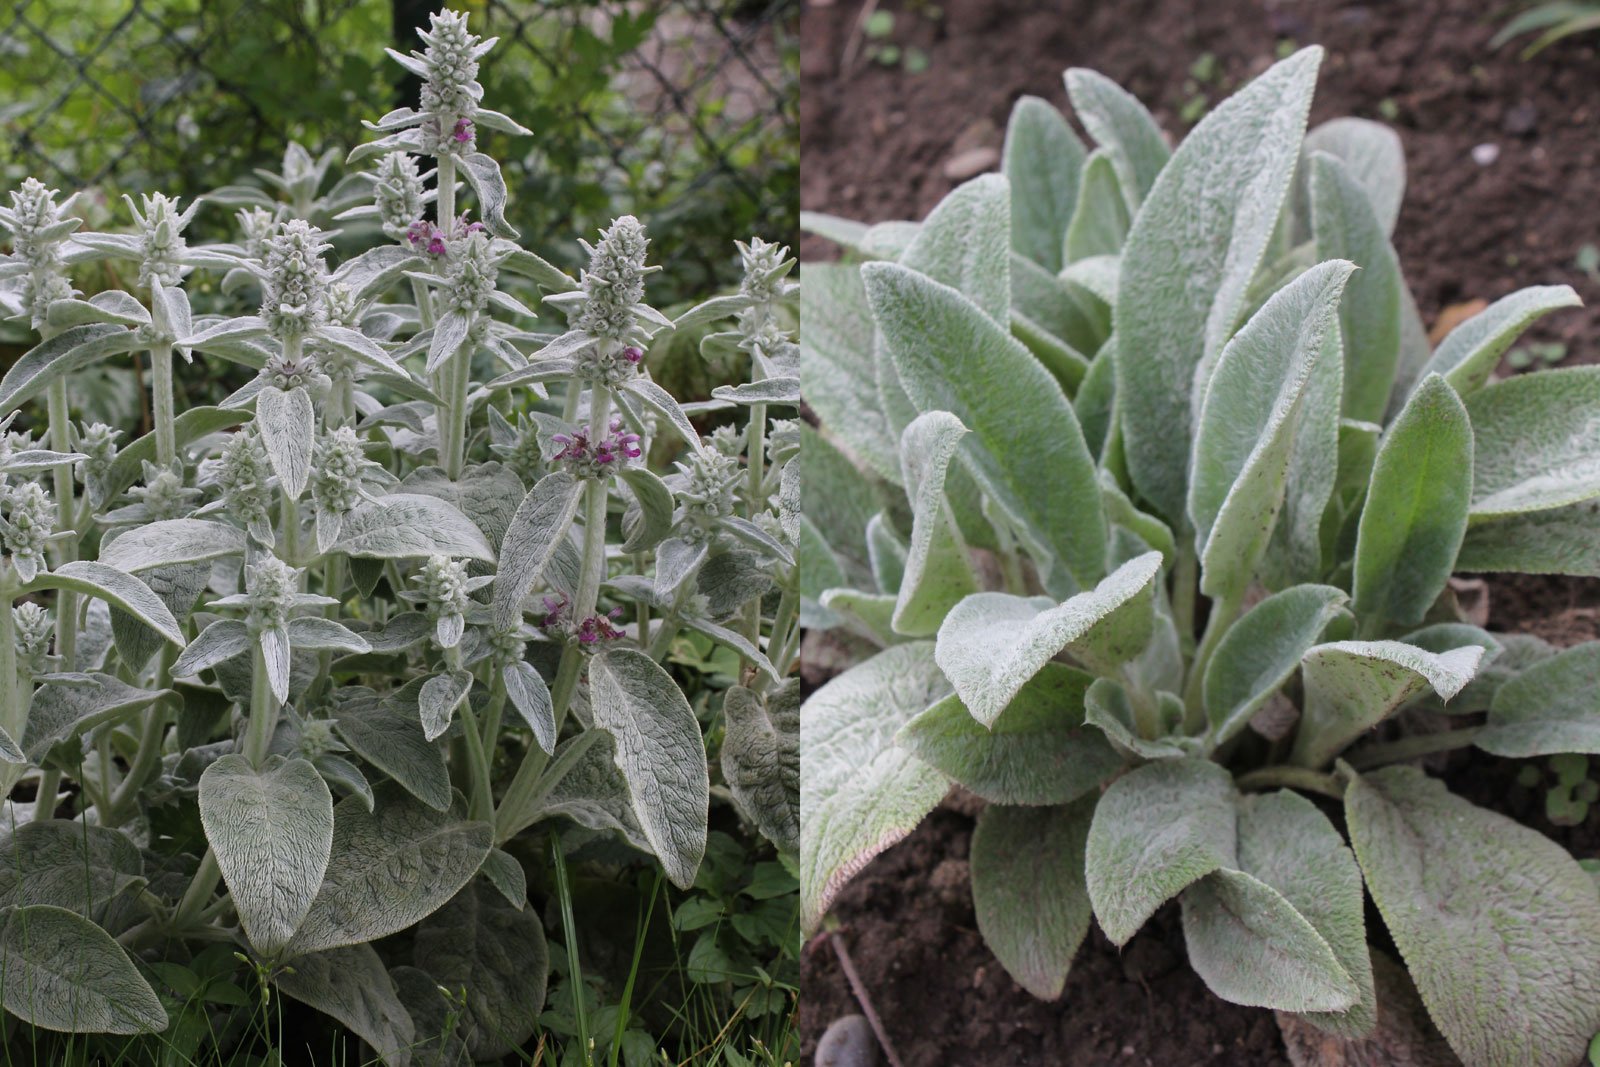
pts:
[463, 131]
[555, 607]
[418, 231]
[633, 353]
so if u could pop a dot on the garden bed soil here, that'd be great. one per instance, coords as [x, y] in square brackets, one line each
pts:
[876, 141]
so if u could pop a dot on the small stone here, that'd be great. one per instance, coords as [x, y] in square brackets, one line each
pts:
[848, 1042]
[1485, 154]
[971, 163]
[1520, 119]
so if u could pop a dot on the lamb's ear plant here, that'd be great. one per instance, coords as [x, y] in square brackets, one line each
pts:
[1138, 468]
[428, 532]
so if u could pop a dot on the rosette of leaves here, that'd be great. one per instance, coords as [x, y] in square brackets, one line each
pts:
[1139, 471]
[266, 662]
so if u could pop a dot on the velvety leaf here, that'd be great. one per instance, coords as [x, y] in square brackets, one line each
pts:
[1042, 160]
[1557, 541]
[860, 791]
[1037, 751]
[351, 985]
[172, 541]
[72, 704]
[589, 789]
[68, 352]
[837, 365]
[937, 573]
[116, 588]
[1100, 220]
[1415, 515]
[530, 543]
[1536, 447]
[654, 502]
[438, 700]
[67, 864]
[1157, 830]
[1498, 925]
[393, 743]
[1372, 155]
[483, 174]
[530, 696]
[761, 760]
[1189, 260]
[497, 954]
[1469, 353]
[965, 243]
[992, 643]
[952, 357]
[1122, 126]
[1028, 890]
[1549, 708]
[271, 828]
[659, 751]
[1249, 423]
[1351, 686]
[288, 426]
[388, 868]
[408, 525]
[1109, 707]
[1259, 653]
[64, 973]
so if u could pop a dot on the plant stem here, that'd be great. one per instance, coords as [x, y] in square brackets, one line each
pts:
[1370, 756]
[67, 548]
[1302, 778]
[145, 757]
[1223, 612]
[482, 803]
[44, 804]
[198, 894]
[263, 709]
[161, 403]
[509, 816]
[1184, 577]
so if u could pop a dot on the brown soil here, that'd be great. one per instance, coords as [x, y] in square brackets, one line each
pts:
[875, 141]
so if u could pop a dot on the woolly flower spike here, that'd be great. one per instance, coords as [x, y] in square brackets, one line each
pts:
[245, 476]
[97, 444]
[162, 496]
[161, 244]
[765, 265]
[399, 193]
[34, 627]
[303, 373]
[471, 270]
[706, 490]
[258, 226]
[446, 591]
[519, 450]
[37, 233]
[599, 459]
[340, 479]
[317, 739]
[30, 517]
[613, 284]
[296, 285]
[272, 588]
[450, 89]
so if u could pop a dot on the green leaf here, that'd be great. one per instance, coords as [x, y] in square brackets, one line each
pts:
[1028, 890]
[1157, 830]
[838, 500]
[171, 541]
[389, 868]
[652, 522]
[271, 828]
[1122, 126]
[531, 697]
[1469, 353]
[536, 531]
[659, 752]
[1372, 155]
[1347, 227]
[1100, 221]
[837, 365]
[1252, 947]
[438, 699]
[391, 741]
[68, 864]
[1189, 260]
[1415, 514]
[408, 525]
[62, 972]
[1536, 447]
[1042, 160]
[188, 427]
[761, 760]
[1557, 541]
[351, 985]
[861, 792]
[937, 571]
[288, 426]
[1351, 686]
[952, 357]
[495, 953]
[1498, 925]
[489, 185]
[1259, 653]
[1246, 437]
[70, 704]
[1109, 707]
[1037, 751]
[115, 588]
[1549, 708]
[68, 352]
[992, 643]
[965, 243]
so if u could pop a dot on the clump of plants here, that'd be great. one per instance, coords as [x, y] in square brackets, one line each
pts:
[1139, 472]
[261, 668]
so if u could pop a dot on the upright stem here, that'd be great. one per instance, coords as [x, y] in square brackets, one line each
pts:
[13, 713]
[44, 804]
[263, 709]
[594, 517]
[1184, 577]
[1223, 612]
[511, 815]
[67, 548]
[161, 403]
[482, 803]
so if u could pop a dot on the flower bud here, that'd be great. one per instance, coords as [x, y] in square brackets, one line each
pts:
[33, 626]
[398, 192]
[295, 291]
[270, 589]
[161, 241]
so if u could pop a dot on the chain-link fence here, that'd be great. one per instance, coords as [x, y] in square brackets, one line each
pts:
[684, 112]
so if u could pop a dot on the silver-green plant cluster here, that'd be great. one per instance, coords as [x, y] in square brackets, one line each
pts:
[429, 530]
[1138, 469]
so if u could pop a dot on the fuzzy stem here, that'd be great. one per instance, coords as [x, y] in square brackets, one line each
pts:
[263, 709]
[1302, 778]
[1184, 577]
[482, 804]
[162, 405]
[511, 814]
[44, 805]
[1370, 756]
[67, 548]
[198, 894]
[1224, 611]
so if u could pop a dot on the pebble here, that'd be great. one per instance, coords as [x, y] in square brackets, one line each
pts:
[847, 1042]
[1520, 119]
[1485, 154]
[971, 163]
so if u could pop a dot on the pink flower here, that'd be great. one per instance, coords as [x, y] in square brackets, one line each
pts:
[633, 353]
[463, 131]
